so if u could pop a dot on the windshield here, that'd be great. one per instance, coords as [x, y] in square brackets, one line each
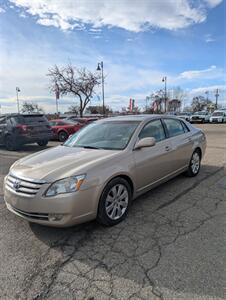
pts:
[113, 135]
[200, 113]
[218, 113]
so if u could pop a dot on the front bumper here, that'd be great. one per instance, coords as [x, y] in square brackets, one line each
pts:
[69, 209]
[216, 120]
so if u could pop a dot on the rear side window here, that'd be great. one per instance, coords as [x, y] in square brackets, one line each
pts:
[52, 123]
[153, 129]
[174, 127]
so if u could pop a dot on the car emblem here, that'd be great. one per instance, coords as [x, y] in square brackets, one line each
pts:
[16, 185]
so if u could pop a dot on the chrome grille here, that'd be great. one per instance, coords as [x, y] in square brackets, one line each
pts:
[24, 187]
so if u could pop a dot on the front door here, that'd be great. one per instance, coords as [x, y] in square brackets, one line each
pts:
[152, 163]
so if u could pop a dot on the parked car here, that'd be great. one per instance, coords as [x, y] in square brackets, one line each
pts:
[63, 128]
[185, 115]
[19, 129]
[218, 116]
[200, 117]
[99, 170]
[82, 121]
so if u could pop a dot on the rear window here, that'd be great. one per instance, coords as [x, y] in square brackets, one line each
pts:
[26, 119]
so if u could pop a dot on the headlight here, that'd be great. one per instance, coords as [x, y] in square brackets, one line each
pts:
[66, 185]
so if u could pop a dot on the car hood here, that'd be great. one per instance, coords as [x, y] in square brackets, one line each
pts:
[60, 162]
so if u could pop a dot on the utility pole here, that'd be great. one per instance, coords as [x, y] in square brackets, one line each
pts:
[17, 99]
[164, 79]
[217, 95]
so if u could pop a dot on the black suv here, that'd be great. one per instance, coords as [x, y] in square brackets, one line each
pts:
[19, 129]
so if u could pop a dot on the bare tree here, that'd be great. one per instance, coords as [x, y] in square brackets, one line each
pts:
[29, 107]
[70, 80]
[98, 109]
[200, 103]
[73, 109]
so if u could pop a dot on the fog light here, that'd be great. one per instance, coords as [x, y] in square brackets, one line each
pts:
[55, 217]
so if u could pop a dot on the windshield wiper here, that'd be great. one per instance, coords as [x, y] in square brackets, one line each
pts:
[90, 147]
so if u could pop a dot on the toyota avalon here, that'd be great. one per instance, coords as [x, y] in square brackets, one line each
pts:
[100, 169]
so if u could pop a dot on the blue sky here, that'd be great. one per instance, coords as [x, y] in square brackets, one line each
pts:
[139, 42]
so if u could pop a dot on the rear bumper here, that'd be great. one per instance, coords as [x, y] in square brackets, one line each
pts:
[26, 139]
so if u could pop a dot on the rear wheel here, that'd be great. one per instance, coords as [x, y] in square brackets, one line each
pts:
[11, 144]
[114, 202]
[42, 143]
[195, 164]
[62, 136]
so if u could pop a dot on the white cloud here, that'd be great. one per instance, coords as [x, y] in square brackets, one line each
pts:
[212, 88]
[213, 3]
[136, 15]
[210, 73]
[2, 10]
[209, 38]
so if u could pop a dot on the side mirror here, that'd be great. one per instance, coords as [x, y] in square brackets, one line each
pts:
[145, 142]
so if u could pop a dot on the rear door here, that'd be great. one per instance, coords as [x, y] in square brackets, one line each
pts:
[181, 142]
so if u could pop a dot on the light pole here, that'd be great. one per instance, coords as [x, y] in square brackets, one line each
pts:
[100, 67]
[17, 99]
[217, 95]
[57, 94]
[164, 79]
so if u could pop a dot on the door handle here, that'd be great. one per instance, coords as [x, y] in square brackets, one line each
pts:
[167, 148]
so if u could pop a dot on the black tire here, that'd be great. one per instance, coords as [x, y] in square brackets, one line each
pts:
[62, 136]
[195, 164]
[43, 143]
[102, 215]
[11, 144]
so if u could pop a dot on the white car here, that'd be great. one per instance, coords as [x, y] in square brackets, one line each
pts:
[184, 115]
[218, 116]
[200, 117]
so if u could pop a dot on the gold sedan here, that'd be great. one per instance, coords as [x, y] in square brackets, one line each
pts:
[99, 170]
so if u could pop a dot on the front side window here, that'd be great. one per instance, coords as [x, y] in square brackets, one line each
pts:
[153, 129]
[174, 127]
[112, 135]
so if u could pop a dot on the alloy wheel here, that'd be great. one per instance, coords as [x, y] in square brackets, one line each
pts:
[195, 162]
[117, 201]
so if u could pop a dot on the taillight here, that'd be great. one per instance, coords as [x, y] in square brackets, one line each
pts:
[22, 128]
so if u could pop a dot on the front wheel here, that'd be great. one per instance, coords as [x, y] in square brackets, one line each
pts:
[195, 164]
[114, 202]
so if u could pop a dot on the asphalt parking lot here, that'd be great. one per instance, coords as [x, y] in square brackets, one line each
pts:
[171, 246]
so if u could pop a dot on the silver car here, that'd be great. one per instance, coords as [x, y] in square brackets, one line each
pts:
[99, 170]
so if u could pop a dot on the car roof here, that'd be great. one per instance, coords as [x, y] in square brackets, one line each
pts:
[23, 115]
[140, 118]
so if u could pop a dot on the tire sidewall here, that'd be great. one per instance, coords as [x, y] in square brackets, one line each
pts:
[102, 216]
